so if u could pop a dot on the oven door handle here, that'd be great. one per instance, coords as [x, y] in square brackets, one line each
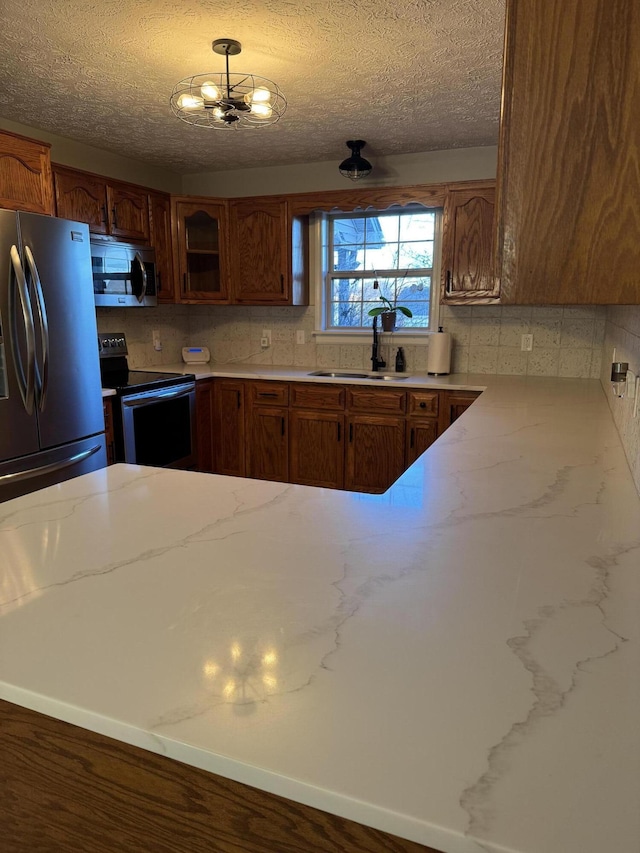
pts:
[143, 270]
[134, 402]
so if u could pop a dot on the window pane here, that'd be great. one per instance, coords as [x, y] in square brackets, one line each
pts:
[381, 257]
[412, 289]
[348, 232]
[417, 226]
[375, 232]
[420, 319]
[417, 255]
[346, 289]
[346, 314]
[348, 258]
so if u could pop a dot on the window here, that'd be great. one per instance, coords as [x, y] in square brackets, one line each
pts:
[380, 253]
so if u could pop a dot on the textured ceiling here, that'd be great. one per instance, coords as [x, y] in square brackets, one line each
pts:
[414, 75]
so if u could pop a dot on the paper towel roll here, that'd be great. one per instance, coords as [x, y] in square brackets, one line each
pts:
[439, 356]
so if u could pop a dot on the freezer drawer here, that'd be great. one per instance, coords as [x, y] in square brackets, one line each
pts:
[39, 470]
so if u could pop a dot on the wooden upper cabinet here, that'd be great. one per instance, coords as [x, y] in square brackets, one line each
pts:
[200, 249]
[25, 174]
[467, 247]
[128, 213]
[107, 207]
[160, 220]
[260, 250]
[569, 163]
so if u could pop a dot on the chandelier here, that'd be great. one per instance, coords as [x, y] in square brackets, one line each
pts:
[227, 100]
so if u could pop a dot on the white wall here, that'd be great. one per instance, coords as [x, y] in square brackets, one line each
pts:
[80, 156]
[460, 164]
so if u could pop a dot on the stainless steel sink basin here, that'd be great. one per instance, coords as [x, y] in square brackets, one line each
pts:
[346, 374]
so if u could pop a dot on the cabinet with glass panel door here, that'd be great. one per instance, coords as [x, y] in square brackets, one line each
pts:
[200, 250]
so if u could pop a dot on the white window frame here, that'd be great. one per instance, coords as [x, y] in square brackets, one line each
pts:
[318, 270]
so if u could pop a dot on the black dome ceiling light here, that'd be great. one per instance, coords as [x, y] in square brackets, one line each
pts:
[355, 167]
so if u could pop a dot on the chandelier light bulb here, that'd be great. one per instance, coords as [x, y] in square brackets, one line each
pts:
[260, 95]
[261, 110]
[190, 102]
[210, 91]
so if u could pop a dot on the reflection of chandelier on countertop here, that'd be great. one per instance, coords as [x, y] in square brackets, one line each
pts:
[227, 100]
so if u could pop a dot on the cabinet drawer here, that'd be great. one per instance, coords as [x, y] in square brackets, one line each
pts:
[305, 396]
[269, 393]
[423, 403]
[376, 400]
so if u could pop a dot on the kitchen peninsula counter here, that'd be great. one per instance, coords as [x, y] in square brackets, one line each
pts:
[455, 662]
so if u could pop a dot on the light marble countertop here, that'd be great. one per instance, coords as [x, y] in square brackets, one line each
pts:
[456, 661]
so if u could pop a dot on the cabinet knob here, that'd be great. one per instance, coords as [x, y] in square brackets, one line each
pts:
[423, 405]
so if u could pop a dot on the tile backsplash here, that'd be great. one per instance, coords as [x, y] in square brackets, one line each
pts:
[567, 341]
[623, 332]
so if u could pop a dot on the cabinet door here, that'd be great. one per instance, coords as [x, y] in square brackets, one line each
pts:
[204, 424]
[452, 405]
[420, 435]
[468, 257]
[375, 452]
[569, 168]
[83, 198]
[229, 427]
[260, 249]
[200, 262]
[128, 213]
[160, 213]
[25, 174]
[267, 448]
[316, 445]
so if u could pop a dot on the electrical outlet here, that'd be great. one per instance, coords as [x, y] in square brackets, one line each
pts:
[526, 344]
[157, 343]
[265, 340]
[300, 336]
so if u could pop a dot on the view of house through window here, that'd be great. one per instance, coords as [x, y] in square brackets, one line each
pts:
[395, 249]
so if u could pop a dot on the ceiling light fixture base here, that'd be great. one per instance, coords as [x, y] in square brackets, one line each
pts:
[355, 167]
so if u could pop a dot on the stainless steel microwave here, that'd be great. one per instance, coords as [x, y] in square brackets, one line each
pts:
[124, 275]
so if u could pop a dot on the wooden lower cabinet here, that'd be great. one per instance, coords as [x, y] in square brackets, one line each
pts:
[420, 435]
[205, 398]
[229, 427]
[109, 435]
[452, 405]
[268, 443]
[332, 436]
[375, 452]
[316, 447]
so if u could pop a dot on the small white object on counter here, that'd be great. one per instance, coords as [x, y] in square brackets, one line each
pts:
[455, 662]
[196, 355]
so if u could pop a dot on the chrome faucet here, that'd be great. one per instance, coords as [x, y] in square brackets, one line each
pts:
[376, 361]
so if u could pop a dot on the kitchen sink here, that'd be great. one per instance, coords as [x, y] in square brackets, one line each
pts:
[345, 374]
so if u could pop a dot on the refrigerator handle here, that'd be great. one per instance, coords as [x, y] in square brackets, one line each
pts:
[25, 383]
[42, 375]
[51, 468]
[143, 270]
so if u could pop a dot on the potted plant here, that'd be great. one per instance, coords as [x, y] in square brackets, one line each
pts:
[387, 313]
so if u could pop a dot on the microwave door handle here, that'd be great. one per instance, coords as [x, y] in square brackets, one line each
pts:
[143, 270]
[26, 383]
[42, 375]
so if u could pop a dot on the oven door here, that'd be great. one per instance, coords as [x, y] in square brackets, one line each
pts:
[159, 427]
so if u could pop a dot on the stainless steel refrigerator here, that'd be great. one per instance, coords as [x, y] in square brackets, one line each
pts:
[51, 415]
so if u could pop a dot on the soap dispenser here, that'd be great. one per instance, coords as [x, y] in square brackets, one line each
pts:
[400, 362]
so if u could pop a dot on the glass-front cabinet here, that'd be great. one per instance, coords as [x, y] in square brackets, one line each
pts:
[201, 257]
